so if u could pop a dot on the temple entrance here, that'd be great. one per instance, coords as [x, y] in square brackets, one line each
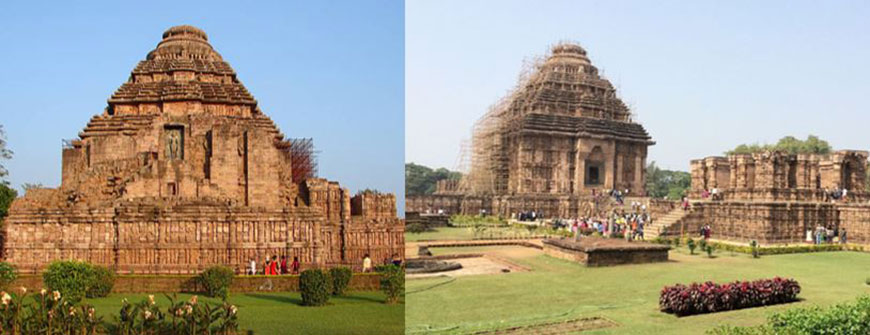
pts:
[846, 183]
[594, 168]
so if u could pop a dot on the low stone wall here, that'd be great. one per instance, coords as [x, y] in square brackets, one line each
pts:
[427, 220]
[606, 252]
[182, 283]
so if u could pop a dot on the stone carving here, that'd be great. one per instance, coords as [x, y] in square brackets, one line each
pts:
[173, 144]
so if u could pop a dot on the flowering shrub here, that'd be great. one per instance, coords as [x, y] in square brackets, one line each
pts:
[709, 297]
[45, 313]
[50, 313]
[181, 317]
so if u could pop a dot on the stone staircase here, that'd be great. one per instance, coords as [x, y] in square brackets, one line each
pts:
[666, 225]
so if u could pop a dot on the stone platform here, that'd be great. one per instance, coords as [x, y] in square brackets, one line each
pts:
[591, 251]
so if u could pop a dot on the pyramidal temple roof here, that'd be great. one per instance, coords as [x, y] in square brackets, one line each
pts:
[566, 83]
[183, 66]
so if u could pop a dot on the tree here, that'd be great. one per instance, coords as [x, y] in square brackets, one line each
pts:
[7, 194]
[4, 154]
[788, 144]
[661, 183]
[420, 179]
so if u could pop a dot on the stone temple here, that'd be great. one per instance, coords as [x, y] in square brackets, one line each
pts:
[561, 135]
[182, 171]
[775, 197]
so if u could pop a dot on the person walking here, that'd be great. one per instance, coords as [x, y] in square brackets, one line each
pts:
[295, 265]
[253, 267]
[274, 265]
[283, 265]
[842, 235]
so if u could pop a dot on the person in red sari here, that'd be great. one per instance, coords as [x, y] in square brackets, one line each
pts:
[266, 266]
[273, 266]
[283, 265]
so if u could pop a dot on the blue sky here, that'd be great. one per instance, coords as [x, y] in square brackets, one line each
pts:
[701, 76]
[331, 70]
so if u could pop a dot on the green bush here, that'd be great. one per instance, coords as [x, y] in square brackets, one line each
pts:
[691, 244]
[315, 286]
[753, 245]
[709, 250]
[867, 281]
[392, 282]
[8, 274]
[676, 242]
[702, 243]
[415, 228]
[340, 279]
[104, 280]
[216, 281]
[847, 318]
[72, 279]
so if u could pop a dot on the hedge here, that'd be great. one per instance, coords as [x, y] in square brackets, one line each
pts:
[768, 250]
[846, 318]
[709, 297]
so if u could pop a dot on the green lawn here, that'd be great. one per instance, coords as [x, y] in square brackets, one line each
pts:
[467, 233]
[281, 313]
[628, 295]
[444, 233]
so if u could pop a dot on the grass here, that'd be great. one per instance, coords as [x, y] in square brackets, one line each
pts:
[282, 313]
[628, 295]
[467, 233]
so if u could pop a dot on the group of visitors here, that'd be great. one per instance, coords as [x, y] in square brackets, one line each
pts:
[367, 262]
[273, 267]
[826, 235]
[529, 216]
[712, 194]
[837, 194]
[629, 225]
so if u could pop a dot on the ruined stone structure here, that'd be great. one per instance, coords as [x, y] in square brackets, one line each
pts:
[562, 134]
[775, 197]
[183, 171]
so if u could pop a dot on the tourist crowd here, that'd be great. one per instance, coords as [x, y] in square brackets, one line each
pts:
[628, 225]
[275, 267]
[826, 235]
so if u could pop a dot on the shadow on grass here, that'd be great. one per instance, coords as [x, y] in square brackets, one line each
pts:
[359, 298]
[797, 300]
[276, 298]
